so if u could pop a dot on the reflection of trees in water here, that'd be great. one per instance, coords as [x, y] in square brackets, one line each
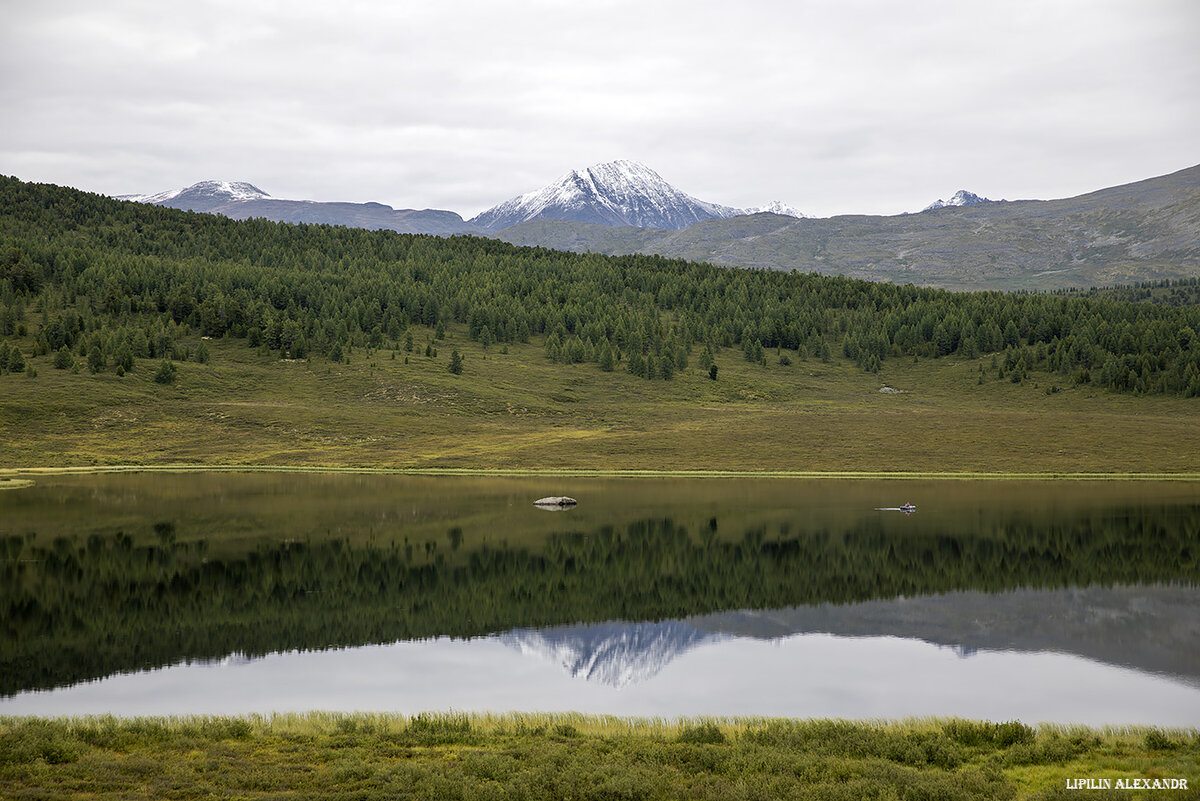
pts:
[74, 610]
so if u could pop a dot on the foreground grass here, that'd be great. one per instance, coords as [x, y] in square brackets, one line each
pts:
[516, 411]
[571, 756]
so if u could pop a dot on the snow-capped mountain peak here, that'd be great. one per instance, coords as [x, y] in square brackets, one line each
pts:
[961, 198]
[778, 207]
[612, 193]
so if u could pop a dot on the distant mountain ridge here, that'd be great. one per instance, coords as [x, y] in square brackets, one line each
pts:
[240, 200]
[615, 193]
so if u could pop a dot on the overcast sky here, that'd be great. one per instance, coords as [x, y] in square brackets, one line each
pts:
[833, 107]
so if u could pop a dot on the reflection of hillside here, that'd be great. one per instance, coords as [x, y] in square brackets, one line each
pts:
[1153, 629]
[72, 610]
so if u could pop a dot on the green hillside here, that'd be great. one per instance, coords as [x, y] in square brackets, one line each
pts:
[137, 334]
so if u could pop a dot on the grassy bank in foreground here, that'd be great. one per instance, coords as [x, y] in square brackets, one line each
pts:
[572, 756]
[518, 411]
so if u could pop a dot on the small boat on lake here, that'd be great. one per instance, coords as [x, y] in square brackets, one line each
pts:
[908, 507]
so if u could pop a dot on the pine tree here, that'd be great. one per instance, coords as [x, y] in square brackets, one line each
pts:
[95, 359]
[456, 362]
[666, 367]
[124, 357]
[607, 361]
[636, 364]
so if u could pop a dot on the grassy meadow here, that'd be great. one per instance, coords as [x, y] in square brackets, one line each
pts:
[512, 409]
[571, 756]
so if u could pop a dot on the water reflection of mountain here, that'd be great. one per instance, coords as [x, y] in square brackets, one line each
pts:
[1149, 629]
[616, 654]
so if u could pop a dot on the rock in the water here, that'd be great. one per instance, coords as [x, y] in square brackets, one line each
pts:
[555, 502]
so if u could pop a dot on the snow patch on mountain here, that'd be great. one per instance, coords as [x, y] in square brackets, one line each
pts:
[961, 198]
[614, 193]
[616, 654]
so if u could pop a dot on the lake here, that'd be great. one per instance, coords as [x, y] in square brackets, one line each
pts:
[230, 593]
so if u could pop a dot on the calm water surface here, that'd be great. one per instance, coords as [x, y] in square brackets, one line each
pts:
[233, 593]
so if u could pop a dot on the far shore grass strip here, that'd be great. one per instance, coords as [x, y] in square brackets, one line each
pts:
[591, 473]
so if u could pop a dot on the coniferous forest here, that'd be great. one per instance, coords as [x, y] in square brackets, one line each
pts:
[88, 280]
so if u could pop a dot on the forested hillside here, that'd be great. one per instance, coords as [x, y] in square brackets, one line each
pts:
[89, 279]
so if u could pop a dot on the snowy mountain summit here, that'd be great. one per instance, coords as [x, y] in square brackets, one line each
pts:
[961, 198]
[204, 193]
[613, 193]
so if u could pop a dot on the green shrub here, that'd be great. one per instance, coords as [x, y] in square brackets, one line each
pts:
[63, 360]
[703, 733]
[1158, 740]
[38, 740]
[426, 729]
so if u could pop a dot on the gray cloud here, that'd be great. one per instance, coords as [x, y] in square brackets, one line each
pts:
[873, 107]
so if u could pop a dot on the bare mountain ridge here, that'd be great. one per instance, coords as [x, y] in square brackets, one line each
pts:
[1146, 230]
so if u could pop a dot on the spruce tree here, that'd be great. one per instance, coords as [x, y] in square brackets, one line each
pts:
[607, 361]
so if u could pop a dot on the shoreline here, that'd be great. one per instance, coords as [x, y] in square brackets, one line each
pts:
[850, 475]
[571, 755]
